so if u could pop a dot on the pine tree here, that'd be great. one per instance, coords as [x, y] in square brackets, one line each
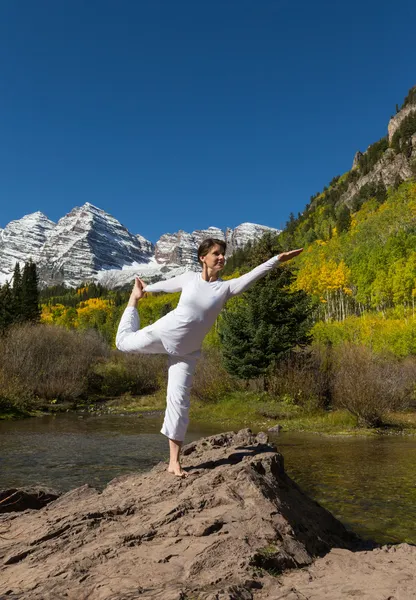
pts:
[17, 294]
[6, 307]
[264, 326]
[30, 310]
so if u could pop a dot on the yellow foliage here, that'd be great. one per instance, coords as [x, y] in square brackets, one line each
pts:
[382, 335]
[93, 304]
[322, 276]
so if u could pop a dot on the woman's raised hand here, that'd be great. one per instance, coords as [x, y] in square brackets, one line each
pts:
[284, 256]
[138, 290]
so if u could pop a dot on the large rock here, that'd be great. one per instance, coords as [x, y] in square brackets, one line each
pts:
[226, 532]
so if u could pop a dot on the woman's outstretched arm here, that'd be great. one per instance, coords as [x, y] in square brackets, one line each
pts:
[175, 284]
[241, 284]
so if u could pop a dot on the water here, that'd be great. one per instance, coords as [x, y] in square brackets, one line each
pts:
[369, 483]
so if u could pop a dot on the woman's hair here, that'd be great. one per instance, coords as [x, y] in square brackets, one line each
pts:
[207, 244]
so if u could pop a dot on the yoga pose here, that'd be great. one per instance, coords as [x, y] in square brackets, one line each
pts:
[180, 333]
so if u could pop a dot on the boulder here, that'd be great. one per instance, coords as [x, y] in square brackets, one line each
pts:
[227, 531]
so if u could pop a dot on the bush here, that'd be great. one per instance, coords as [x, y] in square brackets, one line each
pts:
[46, 362]
[303, 378]
[211, 381]
[370, 386]
[127, 373]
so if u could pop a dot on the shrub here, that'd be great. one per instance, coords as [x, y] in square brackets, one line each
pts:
[303, 378]
[370, 386]
[135, 374]
[211, 381]
[42, 361]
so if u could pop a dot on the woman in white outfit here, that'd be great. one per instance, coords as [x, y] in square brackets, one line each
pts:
[180, 333]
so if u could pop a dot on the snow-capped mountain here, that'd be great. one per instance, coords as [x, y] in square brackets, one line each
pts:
[88, 240]
[23, 239]
[90, 244]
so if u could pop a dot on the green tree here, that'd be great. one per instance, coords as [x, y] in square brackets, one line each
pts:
[343, 219]
[6, 306]
[262, 327]
[30, 310]
[17, 294]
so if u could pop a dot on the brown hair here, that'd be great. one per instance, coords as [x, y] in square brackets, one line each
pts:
[207, 244]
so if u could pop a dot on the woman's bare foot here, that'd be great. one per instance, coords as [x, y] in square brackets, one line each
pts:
[176, 469]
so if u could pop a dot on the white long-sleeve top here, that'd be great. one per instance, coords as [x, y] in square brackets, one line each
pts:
[183, 329]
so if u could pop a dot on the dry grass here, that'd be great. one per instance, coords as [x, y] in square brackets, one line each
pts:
[47, 362]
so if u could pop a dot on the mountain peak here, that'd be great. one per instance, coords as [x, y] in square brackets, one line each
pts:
[89, 242]
[89, 206]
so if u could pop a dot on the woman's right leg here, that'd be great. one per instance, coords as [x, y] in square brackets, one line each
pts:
[130, 338]
[175, 424]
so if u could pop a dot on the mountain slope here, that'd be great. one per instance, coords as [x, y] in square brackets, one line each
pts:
[89, 244]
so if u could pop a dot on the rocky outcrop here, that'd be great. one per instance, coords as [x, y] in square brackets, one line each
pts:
[387, 170]
[390, 169]
[227, 531]
[356, 160]
[398, 118]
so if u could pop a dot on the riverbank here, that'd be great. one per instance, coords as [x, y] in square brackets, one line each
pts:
[262, 412]
[237, 410]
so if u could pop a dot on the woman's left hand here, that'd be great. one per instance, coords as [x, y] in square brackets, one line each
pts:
[284, 256]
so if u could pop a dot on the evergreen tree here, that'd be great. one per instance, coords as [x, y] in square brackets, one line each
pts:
[30, 309]
[6, 307]
[343, 219]
[264, 325]
[17, 294]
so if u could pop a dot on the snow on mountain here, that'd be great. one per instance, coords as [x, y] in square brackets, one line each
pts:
[181, 248]
[23, 239]
[176, 248]
[241, 235]
[150, 272]
[90, 244]
[86, 241]
[200, 235]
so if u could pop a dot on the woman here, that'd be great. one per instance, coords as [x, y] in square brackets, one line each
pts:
[180, 333]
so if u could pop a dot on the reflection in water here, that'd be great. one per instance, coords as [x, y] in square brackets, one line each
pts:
[368, 483]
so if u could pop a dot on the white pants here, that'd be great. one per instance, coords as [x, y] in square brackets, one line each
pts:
[180, 374]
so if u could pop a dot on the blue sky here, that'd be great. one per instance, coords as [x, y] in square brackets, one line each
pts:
[185, 114]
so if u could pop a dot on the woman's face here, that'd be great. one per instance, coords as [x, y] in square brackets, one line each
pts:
[215, 258]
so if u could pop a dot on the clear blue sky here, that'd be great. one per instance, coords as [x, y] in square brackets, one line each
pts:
[185, 114]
